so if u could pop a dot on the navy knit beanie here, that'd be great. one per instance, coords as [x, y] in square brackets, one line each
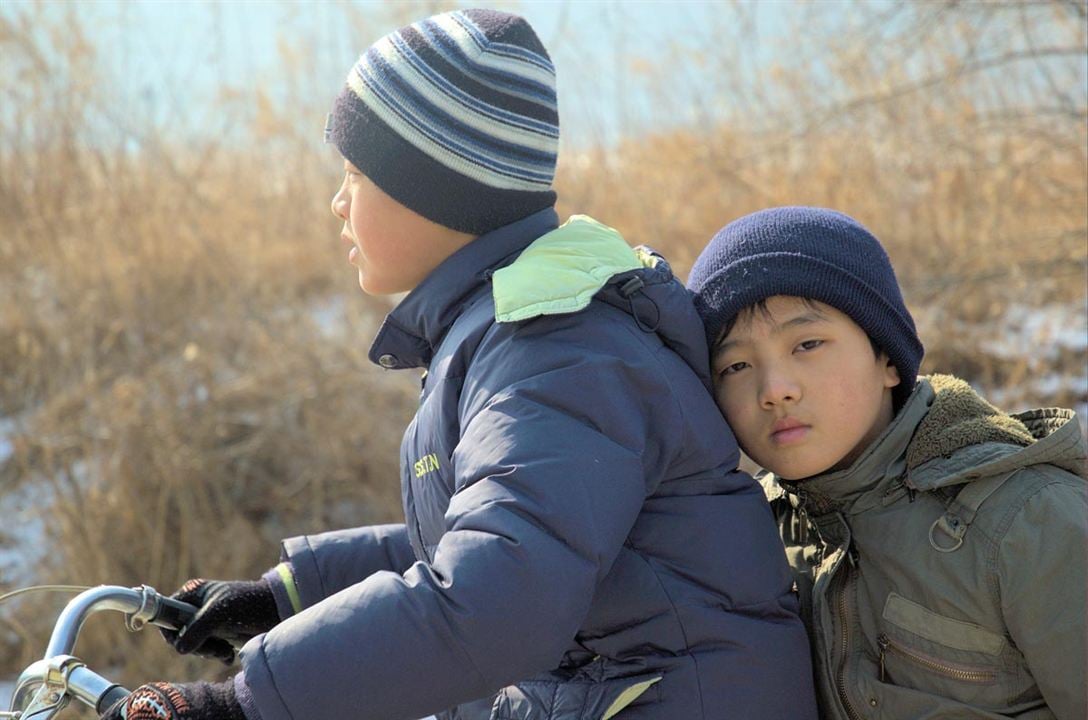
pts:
[810, 253]
[456, 118]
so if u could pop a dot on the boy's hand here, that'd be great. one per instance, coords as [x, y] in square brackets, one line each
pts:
[230, 613]
[167, 701]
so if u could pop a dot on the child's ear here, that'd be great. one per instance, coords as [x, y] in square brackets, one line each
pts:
[891, 372]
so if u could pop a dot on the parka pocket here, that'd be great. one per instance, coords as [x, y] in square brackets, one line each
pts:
[573, 699]
[926, 651]
[946, 668]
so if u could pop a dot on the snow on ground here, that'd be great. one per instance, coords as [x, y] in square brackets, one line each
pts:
[1041, 335]
[1033, 392]
[22, 541]
[1041, 332]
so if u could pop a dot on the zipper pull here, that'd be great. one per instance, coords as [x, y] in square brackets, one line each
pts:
[883, 642]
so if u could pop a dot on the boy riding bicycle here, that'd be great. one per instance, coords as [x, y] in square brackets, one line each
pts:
[579, 542]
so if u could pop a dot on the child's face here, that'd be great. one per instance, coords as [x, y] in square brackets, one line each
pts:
[393, 247]
[801, 387]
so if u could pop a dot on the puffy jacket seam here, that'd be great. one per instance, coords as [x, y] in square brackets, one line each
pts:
[740, 608]
[320, 576]
[462, 421]
[462, 313]
[664, 375]
[272, 680]
[550, 532]
[308, 557]
[544, 402]
[471, 661]
[655, 352]
[555, 694]
[652, 350]
[679, 624]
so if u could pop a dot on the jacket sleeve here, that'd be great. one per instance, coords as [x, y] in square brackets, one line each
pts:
[550, 476]
[1041, 569]
[324, 564]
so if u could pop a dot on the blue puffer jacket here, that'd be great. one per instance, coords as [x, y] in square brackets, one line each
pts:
[579, 544]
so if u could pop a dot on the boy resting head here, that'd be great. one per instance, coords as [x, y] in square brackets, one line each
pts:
[939, 543]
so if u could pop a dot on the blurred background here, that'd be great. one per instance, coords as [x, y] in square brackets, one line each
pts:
[183, 373]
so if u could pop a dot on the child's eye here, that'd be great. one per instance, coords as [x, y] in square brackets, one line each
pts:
[734, 368]
[808, 345]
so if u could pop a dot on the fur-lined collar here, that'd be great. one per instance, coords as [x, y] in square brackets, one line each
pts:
[958, 418]
[963, 438]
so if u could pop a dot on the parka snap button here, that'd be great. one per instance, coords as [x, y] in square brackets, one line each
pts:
[872, 702]
[388, 361]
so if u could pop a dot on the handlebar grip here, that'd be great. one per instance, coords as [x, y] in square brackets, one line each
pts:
[108, 698]
[173, 614]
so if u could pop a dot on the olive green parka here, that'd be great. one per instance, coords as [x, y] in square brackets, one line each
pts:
[943, 574]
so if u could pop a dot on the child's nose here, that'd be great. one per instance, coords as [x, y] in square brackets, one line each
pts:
[340, 204]
[777, 388]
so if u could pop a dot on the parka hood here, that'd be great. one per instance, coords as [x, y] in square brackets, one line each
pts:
[583, 260]
[963, 437]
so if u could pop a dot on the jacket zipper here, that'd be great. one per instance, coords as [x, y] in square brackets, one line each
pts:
[959, 673]
[844, 645]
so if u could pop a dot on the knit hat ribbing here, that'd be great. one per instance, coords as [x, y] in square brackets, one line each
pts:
[456, 118]
[812, 253]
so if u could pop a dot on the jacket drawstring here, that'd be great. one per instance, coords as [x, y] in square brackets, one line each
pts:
[628, 290]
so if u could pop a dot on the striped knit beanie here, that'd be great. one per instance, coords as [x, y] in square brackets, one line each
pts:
[811, 253]
[456, 118]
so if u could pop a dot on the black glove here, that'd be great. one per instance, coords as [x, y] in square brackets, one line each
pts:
[168, 701]
[231, 612]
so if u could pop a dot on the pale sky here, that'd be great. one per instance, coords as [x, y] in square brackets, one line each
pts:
[168, 59]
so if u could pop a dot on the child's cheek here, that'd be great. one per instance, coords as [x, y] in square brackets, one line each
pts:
[743, 422]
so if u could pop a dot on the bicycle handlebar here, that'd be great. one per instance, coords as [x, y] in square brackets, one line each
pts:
[108, 698]
[173, 614]
[49, 684]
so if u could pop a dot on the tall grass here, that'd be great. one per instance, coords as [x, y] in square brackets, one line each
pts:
[182, 347]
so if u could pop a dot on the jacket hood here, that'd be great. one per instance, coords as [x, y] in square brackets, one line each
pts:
[584, 260]
[963, 437]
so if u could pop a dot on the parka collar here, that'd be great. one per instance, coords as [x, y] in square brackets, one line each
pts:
[412, 331]
[944, 435]
[1052, 436]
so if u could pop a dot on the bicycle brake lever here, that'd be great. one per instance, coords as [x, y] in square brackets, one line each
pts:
[46, 703]
[48, 686]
